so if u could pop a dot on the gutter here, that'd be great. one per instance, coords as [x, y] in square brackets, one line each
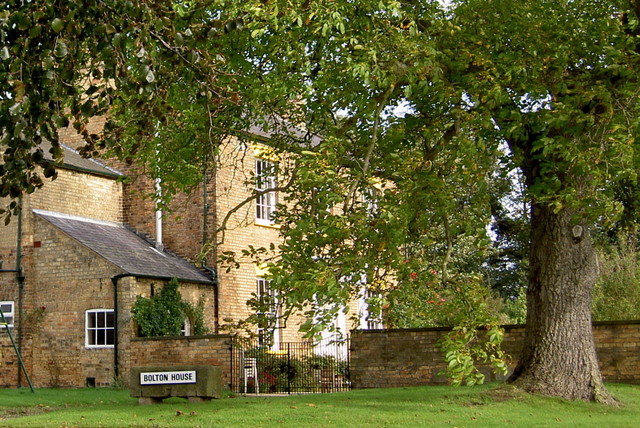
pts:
[87, 171]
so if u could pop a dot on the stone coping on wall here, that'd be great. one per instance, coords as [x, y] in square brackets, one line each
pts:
[200, 337]
[505, 326]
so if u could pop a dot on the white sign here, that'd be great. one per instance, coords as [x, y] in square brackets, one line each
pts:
[160, 378]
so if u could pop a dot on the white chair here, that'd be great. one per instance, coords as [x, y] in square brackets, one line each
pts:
[250, 370]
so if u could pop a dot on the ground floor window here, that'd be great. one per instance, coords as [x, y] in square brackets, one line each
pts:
[8, 311]
[268, 331]
[100, 328]
[370, 320]
[185, 330]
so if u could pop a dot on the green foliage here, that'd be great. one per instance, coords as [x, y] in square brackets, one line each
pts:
[507, 263]
[547, 87]
[164, 314]
[475, 338]
[616, 296]
[465, 348]
[195, 314]
[515, 308]
[140, 64]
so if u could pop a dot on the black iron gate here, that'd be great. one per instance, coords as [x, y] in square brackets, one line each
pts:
[290, 368]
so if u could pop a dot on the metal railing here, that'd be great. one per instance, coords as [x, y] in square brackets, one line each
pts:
[290, 368]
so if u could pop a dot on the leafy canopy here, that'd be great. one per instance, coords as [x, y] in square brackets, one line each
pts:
[419, 103]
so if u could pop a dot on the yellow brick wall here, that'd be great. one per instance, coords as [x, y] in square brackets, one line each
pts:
[234, 183]
[411, 357]
[128, 290]
[63, 280]
[80, 194]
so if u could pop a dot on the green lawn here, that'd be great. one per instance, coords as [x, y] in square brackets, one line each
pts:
[400, 407]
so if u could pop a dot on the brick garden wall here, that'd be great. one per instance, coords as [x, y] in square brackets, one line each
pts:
[212, 350]
[395, 358]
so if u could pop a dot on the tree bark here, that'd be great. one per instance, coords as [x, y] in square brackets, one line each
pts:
[559, 356]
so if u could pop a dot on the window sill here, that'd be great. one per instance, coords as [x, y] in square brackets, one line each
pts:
[266, 223]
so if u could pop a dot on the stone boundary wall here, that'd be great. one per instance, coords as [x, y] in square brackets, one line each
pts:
[214, 350]
[410, 357]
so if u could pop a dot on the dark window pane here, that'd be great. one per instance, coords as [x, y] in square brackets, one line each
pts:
[100, 320]
[91, 317]
[110, 319]
[100, 337]
[110, 337]
[92, 337]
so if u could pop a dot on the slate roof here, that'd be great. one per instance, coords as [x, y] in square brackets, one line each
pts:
[74, 161]
[124, 248]
[272, 126]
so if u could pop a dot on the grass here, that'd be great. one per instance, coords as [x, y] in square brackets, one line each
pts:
[398, 407]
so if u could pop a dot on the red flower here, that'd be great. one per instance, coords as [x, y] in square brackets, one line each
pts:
[413, 275]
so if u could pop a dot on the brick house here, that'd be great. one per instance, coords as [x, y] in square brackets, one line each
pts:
[87, 243]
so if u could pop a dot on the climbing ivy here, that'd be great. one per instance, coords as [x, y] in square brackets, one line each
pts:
[164, 313]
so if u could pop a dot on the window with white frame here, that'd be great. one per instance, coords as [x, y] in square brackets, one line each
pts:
[265, 202]
[370, 320]
[7, 308]
[268, 332]
[370, 198]
[185, 330]
[100, 328]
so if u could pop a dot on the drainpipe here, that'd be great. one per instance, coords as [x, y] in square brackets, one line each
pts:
[114, 281]
[205, 238]
[205, 208]
[20, 280]
[159, 243]
[216, 310]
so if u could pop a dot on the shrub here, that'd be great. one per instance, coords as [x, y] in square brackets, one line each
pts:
[617, 293]
[164, 314]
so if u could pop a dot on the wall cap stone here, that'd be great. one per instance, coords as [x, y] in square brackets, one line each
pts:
[204, 336]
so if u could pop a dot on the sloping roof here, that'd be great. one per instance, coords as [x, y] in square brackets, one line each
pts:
[124, 248]
[274, 126]
[74, 161]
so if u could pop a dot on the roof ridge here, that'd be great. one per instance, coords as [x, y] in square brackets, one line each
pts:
[78, 218]
[90, 159]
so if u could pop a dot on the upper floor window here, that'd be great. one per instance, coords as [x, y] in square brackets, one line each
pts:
[265, 202]
[370, 198]
[100, 328]
[8, 311]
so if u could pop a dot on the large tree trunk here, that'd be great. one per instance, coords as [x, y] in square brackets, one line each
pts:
[559, 356]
